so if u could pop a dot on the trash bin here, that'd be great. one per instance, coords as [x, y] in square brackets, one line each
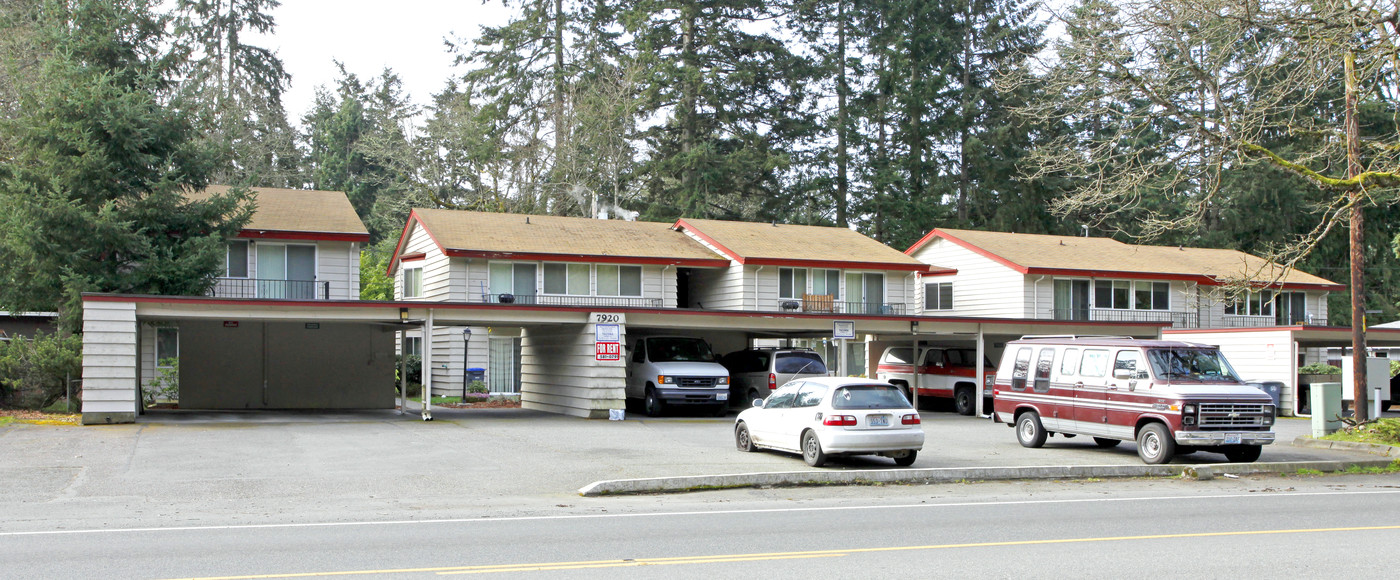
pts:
[1273, 388]
[476, 374]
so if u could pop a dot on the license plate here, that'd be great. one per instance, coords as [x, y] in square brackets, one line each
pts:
[879, 420]
[721, 396]
[1232, 438]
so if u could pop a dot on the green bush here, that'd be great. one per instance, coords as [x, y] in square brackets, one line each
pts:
[477, 387]
[34, 371]
[1319, 369]
[166, 385]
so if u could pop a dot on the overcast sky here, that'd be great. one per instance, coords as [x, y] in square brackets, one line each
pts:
[368, 35]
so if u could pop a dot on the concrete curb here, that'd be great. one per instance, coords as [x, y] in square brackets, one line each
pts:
[953, 474]
[1372, 448]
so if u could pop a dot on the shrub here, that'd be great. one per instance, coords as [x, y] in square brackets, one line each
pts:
[477, 387]
[166, 385]
[34, 371]
[1319, 369]
[415, 369]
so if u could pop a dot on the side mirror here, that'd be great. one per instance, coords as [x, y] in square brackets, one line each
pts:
[1123, 373]
[758, 403]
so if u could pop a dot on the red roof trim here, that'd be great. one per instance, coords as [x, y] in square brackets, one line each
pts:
[681, 224]
[403, 239]
[1199, 278]
[839, 264]
[412, 257]
[1295, 328]
[967, 245]
[590, 258]
[290, 235]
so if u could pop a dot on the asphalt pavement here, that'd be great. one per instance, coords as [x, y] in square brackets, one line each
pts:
[203, 465]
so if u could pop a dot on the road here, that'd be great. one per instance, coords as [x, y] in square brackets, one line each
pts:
[1341, 526]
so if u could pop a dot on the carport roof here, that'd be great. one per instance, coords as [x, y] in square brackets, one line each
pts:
[1308, 336]
[306, 214]
[1107, 257]
[569, 239]
[799, 245]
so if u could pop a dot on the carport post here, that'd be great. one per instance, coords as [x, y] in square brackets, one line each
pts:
[914, 358]
[428, 367]
[403, 370]
[981, 379]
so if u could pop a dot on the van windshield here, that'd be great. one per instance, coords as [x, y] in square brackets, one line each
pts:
[678, 350]
[1191, 364]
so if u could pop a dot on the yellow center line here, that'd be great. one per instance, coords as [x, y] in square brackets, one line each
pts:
[783, 555]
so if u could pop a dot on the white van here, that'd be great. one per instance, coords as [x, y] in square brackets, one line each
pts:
[1170, 397]
[679, 371]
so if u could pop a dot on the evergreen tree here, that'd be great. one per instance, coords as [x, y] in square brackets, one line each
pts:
[93, 198]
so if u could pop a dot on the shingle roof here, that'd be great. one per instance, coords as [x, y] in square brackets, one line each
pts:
[300, 211]
[767, 243]
[1106, 256]
[502, 234]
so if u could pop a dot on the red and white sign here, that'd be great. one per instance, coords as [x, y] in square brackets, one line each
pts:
[608, 350]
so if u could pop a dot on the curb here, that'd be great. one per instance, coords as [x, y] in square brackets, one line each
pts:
[952, 475]
[1372, 448]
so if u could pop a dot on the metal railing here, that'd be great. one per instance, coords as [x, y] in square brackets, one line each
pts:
[260, 288]
[1177, 319]
[837, 307]
[555, 300]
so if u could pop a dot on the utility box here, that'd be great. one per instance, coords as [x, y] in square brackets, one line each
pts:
[1377, 382]
[1326, 408]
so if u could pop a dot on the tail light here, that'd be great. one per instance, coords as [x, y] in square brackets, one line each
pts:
[839, 421]
[772, 381]
[910, 419]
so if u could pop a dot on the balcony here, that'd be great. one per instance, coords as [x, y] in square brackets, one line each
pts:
[276, 289]
[822, 304]
[556, 300]
[1177, 319]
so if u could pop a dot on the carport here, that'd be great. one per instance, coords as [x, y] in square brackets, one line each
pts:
[1274, 353]
[330, 354]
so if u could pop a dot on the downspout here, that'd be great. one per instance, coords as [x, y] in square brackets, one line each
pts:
[428, 367]
[755, 287]
[1035, 298]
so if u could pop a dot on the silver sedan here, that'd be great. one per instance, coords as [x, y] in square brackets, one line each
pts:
[826, 416]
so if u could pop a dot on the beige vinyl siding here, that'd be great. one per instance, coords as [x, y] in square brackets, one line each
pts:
[559, 373]
[718, 289]
[1265, 355]
[982, 287]
[338, 263]
[437, 274]
[110, 361]
[447, 350]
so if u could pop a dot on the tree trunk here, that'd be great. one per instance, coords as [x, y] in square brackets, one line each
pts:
[842, 89]
[964, 115]
[1358, 291]
[690, 96]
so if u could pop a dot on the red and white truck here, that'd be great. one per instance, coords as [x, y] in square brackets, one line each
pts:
[944, 372]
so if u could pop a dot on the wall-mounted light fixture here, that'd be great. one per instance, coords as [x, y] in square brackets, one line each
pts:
[913, 327]
[403, 315]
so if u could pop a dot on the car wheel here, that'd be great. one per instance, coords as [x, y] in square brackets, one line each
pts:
[907, 460]
[1243, 453]
[653, 405]
[1029, 431]
[962, 401]
[1155, 444]
[1105, 443]
[742, 440]
[812, 450]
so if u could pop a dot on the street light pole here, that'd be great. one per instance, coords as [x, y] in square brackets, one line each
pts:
[466, 341]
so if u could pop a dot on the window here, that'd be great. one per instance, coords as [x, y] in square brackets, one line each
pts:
[570, 279]
[1094, 363]
[798, 362]
[516, 278]
[639, 354]
[938, 296]
[899, 355]
[1042, 370]
[810, 395]
[1070, 363]
[412, 280]
[413, 346]
[869, 397]
[1071, 299]
[286, 271]
[1132, 295]
[236, 260]
[782, 399]
[867, 291]
[1259, 303]
[1291, 308]
[827, 282]
[619, 280]
[792, 282]
[167, 347]
[1130, 361]
[1022, 369]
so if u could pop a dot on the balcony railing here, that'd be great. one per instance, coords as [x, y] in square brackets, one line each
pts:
[828, 306]
[554, 300]
[259, 288]
[1177, 319]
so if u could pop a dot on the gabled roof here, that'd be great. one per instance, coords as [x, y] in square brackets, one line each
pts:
[1106, 257]
[300, 214]
[801, 246]
[510, 236]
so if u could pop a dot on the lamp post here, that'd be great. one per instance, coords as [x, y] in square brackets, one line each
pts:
[466, 341]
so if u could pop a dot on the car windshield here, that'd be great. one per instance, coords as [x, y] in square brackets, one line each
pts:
[1191, 364]
[679, 350]
[869, 397]
[799, 362]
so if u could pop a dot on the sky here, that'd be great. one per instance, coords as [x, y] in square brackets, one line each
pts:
[368, 35]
